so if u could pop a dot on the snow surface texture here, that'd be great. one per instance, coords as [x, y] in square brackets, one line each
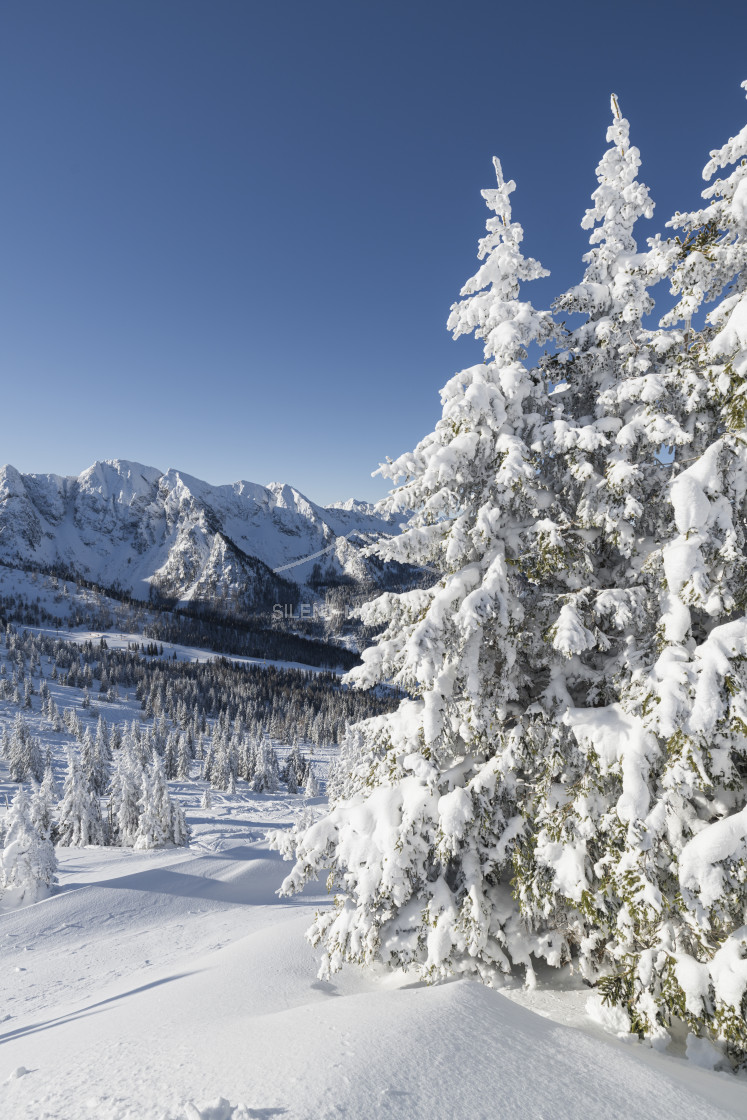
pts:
[154, 984]
[175, 985]
[122, 522]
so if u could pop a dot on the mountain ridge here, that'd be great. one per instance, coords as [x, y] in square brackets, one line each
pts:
[167, 533]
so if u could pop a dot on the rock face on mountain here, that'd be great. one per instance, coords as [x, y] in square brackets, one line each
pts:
[121, 524]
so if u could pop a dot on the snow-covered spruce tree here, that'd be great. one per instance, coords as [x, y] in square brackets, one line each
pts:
[124, 795]
[80, 820]
[223, 762]
[639, 848]
[154, 815]
[170, 754]
[24, 753]
[180, 830]
[421, 849]
[28, 865]
[585, 867]
[93, 764]
[295, 771]
[183, 757]
[43, 801]
[686, 950]
[291, 783]
[311, 785]
[161, 819]
[103, 753]
[266, 776]
[245, 764]
[343, 773]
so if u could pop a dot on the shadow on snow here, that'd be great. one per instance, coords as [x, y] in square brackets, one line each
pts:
[92, 1009]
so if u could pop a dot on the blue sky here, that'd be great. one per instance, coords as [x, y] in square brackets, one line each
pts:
[232, 231]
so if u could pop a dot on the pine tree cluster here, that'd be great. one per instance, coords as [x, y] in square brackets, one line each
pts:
[196, 625]
[567, 780]
[286, 704]
[213, 721]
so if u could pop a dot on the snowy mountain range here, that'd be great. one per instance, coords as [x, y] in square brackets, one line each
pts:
[122, 524]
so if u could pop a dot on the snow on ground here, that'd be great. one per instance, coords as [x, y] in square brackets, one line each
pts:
[175, 985]
[63, 598]
[153, 984]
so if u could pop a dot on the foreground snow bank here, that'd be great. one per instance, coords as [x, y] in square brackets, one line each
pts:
[175, 986]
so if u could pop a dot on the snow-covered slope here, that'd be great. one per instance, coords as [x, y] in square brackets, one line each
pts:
[153, 984]
[173, 984]
[121, 523]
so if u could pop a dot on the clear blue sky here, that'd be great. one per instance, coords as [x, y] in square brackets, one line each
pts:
[232, 231]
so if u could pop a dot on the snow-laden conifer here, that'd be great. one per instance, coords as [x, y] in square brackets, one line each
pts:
[154, 808]
[247, 758]
[93, 762]
[568, 780]
[291, 783]
[607, 429]
[80, 820]
[25, 760]
[180, 831]
[103, 754]
[588, 853]
[266, 775]
[170, 754]
[28, 864]
[161, 819]
[295, 770]
[685, 946]
[421, 850]
[183, 757]
[43, 801]
[223, 762]
[311, 785]
[124, 796]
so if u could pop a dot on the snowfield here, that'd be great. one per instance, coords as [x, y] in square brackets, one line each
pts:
[160, 984]
[173, 984]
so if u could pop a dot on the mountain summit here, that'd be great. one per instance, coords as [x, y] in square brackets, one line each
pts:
[122, 524]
